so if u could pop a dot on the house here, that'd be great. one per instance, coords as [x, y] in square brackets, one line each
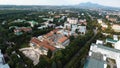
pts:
[41, 27]
[104, 26]
[57, 16]
[65, 32]
[18, 30]
[32, 23]
[44, 44]
[115, 37]
[48, 19]
[98, 55]
[72, 20]
[59, 27]
[108, 40]
[82, 21]
[20, 20]
[2, 61]
[100, 21]
[116, 27]
[47, 24]
[74, 27]
[112, 19]
[99, 42]
[82, 29]
[67, 26]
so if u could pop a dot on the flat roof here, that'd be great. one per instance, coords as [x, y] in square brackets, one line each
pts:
[108, 39]
[106, 48]
[95, 61]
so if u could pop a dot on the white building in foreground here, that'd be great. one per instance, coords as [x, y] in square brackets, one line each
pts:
[2, 61]
[100, 53]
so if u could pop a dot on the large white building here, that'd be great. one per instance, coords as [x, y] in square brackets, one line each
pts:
[99, 53]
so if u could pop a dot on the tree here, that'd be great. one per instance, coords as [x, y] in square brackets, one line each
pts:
[54, 64]
[49, 54]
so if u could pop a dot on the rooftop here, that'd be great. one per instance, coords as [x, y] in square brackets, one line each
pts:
[106, 48]
[95, 61]
[108, 39]
[43, 43]
[63, 39]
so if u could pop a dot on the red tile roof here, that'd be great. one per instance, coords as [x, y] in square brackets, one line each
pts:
[63, 39]
[51, 33]
[43, 43]
[25, 29]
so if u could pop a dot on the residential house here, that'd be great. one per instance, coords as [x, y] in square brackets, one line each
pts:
[100, 21]
[116, 27]
[18, 30]
[82, 29]
[32, 23]
[112, 19]
[67, 26]
[72, 20]
[115, 37]
[104, 26]
[82, 21]
[48, 19]
[20, 20]
[108, 40]
[99, 42]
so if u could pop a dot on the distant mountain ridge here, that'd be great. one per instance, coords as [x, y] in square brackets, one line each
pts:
[86, 5]
[94, 5]
[89, 4]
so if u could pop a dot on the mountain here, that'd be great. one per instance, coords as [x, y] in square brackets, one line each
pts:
[89, 4]
[95, 5]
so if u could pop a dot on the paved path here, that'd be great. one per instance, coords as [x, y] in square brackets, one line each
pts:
[77, 54]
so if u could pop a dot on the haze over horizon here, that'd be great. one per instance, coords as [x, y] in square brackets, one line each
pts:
[112, 3]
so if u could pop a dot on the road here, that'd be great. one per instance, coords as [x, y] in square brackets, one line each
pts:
[77, 54]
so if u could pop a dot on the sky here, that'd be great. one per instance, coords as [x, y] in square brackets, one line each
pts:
[113, 3]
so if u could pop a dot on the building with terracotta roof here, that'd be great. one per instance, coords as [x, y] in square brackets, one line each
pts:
[64, 41]
[18, 30]
[50, 41]
[42, 44]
